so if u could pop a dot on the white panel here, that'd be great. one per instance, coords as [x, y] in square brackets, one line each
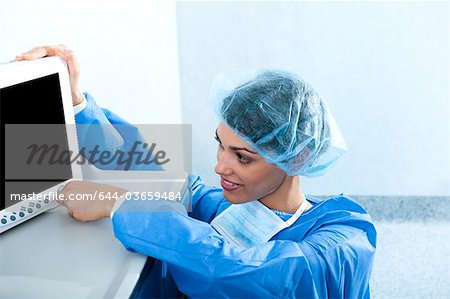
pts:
[127, 49]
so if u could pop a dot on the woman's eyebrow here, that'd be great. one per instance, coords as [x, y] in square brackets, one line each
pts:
[235, 148]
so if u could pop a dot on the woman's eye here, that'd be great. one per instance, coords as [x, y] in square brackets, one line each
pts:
[243, 159]
[218, 140]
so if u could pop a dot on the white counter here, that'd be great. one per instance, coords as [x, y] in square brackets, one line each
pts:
[55, 256]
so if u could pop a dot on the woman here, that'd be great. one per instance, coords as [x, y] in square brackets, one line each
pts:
[258, 236]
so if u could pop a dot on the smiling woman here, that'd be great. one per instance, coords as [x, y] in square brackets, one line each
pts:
[258, 235]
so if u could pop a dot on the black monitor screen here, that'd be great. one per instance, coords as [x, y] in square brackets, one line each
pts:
[32, 120]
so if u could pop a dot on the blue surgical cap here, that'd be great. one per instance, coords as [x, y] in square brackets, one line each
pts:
[282, 117]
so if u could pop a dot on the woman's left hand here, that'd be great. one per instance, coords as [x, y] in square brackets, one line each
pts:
[87, 201]
[65, 53]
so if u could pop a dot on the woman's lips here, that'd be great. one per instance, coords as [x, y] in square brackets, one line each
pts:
[229, 186]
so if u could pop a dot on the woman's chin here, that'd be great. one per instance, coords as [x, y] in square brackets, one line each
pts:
[234, 198]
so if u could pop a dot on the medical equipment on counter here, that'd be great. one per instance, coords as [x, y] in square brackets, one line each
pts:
[35, 96]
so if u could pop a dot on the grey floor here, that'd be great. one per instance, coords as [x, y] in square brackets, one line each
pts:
[413, 252]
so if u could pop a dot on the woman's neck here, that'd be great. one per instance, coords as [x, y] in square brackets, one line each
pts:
[287, 198]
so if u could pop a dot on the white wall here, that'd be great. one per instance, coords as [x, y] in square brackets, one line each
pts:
[382, 66]
[127, 49]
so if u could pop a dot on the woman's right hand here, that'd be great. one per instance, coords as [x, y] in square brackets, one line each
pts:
[89, 201]
[65, 53]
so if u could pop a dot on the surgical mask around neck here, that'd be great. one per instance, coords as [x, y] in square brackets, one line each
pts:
[252, 223]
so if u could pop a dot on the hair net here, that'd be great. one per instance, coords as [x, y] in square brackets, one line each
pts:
[282, 117]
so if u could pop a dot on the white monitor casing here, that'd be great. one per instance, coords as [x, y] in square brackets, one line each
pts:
[19, 72]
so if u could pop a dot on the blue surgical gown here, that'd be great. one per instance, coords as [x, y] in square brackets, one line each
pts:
[327, 253]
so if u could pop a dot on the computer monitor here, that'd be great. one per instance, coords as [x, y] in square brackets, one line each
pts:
[36, 114]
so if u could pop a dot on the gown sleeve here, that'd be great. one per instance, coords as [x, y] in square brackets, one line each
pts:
[206, 200]
[332, 262]
[100, 127]
[95, 128]
[341, 258]
[203, 264]
[106, 131]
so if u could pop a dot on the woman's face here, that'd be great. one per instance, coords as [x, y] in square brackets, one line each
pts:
[245, 175]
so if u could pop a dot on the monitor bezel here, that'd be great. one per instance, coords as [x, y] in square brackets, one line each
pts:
[24, 71]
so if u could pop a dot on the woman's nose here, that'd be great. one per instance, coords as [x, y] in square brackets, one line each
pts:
[223, 166]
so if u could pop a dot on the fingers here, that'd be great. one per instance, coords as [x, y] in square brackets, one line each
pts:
[81, 200]
[64, 190]
[70, 212]
[69, 205]
[45, 51]
[35, 53]
[63, 52]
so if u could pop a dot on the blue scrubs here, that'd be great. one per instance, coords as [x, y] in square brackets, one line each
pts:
[327, 253]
